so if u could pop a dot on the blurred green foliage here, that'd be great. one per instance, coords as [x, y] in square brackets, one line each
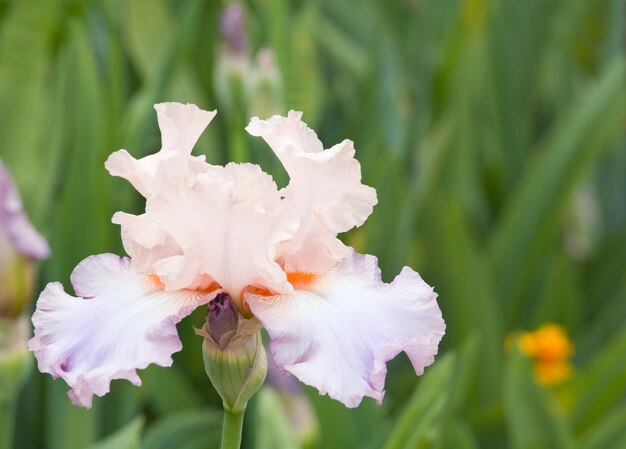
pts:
[493, 131]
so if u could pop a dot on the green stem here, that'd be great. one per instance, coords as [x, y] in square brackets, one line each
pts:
[7, 422]
[231, 431]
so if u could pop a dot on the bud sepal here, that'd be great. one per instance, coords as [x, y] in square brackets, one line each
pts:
[234, 358]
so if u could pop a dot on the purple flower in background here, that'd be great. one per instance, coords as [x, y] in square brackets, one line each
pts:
[233, 28]
[20, 244]
[15, 228]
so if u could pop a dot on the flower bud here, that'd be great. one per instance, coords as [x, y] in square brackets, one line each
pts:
[266, 88]
[17, 277]
[233, 353]
[233, 28]
[222, 319]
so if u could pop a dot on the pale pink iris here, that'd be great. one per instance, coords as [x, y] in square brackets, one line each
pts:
[209, 229]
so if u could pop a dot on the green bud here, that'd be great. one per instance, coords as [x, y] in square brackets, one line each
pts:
[233, 353]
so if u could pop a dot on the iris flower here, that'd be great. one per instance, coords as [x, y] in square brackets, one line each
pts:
[210, 229]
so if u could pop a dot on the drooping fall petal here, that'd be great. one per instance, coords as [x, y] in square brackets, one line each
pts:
[122, 321]
[338, 330]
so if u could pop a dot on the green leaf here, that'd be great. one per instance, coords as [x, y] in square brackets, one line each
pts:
[420, 421]
[459, 389]
[301, 70]
[147, 31]
[465, 286]
[343, 427]
[531, 218]
[609, 432]
[339, 45]
[128, 437]
[461, 436]
[429, 161]
[519, 31]
[67, 425]
[179, 394]
[24, 60]
[192, 429]
[440, 396]
[601, 385]
[534, 419]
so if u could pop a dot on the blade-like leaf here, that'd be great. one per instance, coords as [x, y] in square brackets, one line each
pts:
[128, 437]
[192, 429]
[534, 418]
[531, 217]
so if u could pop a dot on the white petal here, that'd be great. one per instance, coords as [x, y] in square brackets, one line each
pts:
[124, 321]
[226, 223]
[203, 223]
[144, 240]
[338, 332]
[281, 133]
[325, 189]
[181, 126]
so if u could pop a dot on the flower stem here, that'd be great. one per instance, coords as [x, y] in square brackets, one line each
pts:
[231, 430]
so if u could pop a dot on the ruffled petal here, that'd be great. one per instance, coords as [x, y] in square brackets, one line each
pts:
[122, 322]
[203, 224]
[145, 241]
[337, 331]
[15, 227]
[325, 189]
[225, 224]
[181, 126]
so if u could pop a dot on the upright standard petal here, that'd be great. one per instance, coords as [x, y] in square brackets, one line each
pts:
[224, 225]
[325, 189]
[227, 224]
[122, 321]
[14, 224]
[337, 331]
[181, 126]
[145, 241]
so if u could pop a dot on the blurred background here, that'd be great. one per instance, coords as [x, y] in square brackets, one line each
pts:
[493, 131]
